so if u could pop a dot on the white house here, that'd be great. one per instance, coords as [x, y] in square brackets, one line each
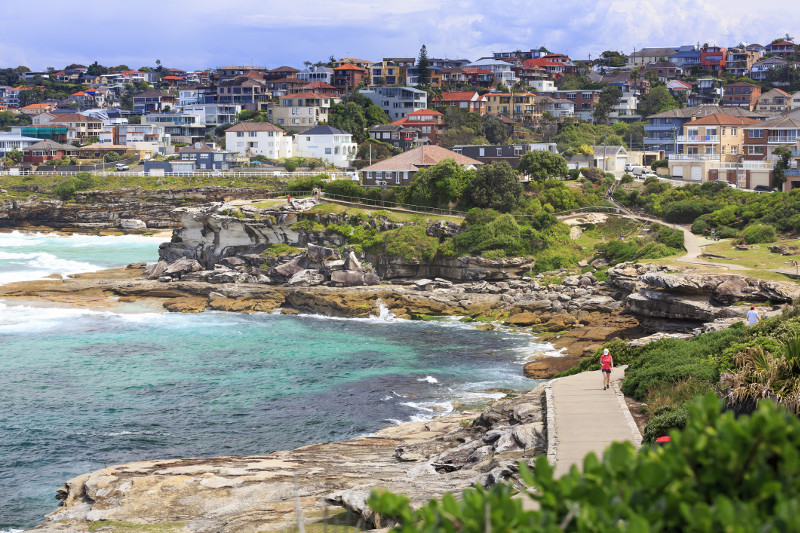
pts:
[10, 142]
[258, 138]
[326, 143]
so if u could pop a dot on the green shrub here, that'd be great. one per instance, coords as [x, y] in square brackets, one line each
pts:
[667, 419]
[721, 473]
[758, 233]
[672, 238]
[686, 211]
[279, 249]
[408, 242]
[727, 233]
[307, 225]
[660, 163]
[67, 187]
[345, 188]
[573, 173]
[593, 174]
[290, 165]
[627, 178]
[307, 183]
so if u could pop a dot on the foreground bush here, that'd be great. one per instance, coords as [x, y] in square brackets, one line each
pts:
[719, 474]
[758, 233]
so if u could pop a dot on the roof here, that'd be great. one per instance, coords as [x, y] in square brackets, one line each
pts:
[284, 69]
[460, 96]
[202, 148]
[742, 84]
[324, 130]
[152, 93]
[48, 144]
[678, 84]
[254, 126]
[318, 85]
[38, 106]
[425, 113]
[686, 53]
[304, 95]
[386, 127]
[413, 160]
[704, 110]
[772, 93]
[783, 43]
[661, 64]
[74, 117]
[651, 52]
[722, 119]
[349, 66]
[778, 123]
[475, 70]
[609, 149]
[539, 62]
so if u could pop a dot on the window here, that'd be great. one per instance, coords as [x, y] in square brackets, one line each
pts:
[733, 131]
[734, 150]
[397, 178]
[755, 150]
[499, 152]
[481, 152]
[240, 134]
[379, 175]
[252, 134]
[723, 132]
[756, 134]
[327, 151]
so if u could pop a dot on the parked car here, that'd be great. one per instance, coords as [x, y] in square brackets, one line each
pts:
[730, 184]
[630, 166]
[121, 166]
[642, 172]
[762, 188]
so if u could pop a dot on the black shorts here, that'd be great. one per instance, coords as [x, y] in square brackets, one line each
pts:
[606, 370]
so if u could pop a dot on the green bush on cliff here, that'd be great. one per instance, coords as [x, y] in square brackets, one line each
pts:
[758, 233]
[306, 184]
[720, 473]
[408, 242]
[67, 187]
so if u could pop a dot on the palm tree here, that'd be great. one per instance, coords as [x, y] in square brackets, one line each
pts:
[762, 374]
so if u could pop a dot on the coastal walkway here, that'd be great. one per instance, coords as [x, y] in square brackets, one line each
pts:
[584, 418]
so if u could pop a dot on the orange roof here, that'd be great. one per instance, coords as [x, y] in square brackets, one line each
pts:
[475, 70]
[349, 66]
[79, 93]
[722, 119]
[172, 78]
[21, 88]
[304, 95]
[459, 96]
[425, 112]
[539, 62]
[318, 85]
[412, 160]
[38, 106]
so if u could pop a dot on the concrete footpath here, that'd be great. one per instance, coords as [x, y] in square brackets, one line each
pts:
[583, 418]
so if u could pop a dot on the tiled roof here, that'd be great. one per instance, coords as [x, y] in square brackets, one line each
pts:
[304, 95]
[475, 70]
[651, 52]
[318, 85]
[539, 62]
[254, 126]
[425, 113]
[704, 110]
[742, 84]
[349, 66]
[324, 130]
[74, 117]
[722, 119]
[38, 106]
[459, 96]
[414, 159]
[51, 145]
[284, 69]
[772, 93]
[778, 123]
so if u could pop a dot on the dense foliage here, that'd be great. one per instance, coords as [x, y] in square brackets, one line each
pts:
[721, 473]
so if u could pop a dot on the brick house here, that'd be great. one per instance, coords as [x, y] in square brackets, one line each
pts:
[348, 76]
[430, 123]
[741, 94]
[47, 150]
[400, 169]
[467, 100]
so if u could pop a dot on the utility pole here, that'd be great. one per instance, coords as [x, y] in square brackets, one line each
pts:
[605, 141]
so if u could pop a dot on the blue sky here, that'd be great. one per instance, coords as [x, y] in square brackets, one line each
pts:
[201, 33]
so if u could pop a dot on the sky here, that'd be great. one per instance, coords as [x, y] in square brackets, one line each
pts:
[200, 34]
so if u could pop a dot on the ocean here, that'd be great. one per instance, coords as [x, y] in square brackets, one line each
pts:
[84, 389]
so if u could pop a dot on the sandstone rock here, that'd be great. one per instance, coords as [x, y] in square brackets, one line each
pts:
[156, 270]
[571, 281]
[442, 228]
[182, 266]
[352, 263]
[424, 284]
[286, 311]
[530, 436]
[290, 268]
[233, 262]
[523, 319]
[320, 254]
[371, 279]
[547, 367]
[347, 278]
[186, 305]
[132, 224]
[307, 278]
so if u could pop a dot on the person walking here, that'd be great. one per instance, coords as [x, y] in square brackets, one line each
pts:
[752, 316]
[606, 364]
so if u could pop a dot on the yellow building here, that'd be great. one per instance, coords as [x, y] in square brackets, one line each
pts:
[520, 107]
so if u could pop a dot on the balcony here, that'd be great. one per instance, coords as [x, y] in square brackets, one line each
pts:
[698, 138]
[744, 165]
[795, 153]
[782, 139]
[793, 172]
[693, 157]
[659, 127]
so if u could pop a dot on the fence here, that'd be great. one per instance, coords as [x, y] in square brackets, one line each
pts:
[210, 174]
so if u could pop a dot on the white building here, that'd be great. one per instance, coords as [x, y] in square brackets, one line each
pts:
[147, 139]
[10, 142]
[626, 108]
[316, 73]
[397, 102]
[326, 143]
[214, 114]
[543, 86]
[502, 70]
[258, 138]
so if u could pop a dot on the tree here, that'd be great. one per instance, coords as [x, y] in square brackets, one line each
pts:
[657, 100]
[540, 165]
[15, 156]
[96, 69]
[349, 117]
[423, 68]
[609, 97]
[495, 130]
[779, 170]
[441, 185]
[611, 58]
[74, 65]
[495, 186]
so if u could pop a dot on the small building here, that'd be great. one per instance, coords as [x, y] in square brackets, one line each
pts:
[397, 102]
[467, 100]
[400, 169]
[258, 138]
[11, 141]
[493, 153]
[326, 143]
[397, 136]
[741, 94]
[430, 123]
[206, 157]
[99, 151]
[47, 150]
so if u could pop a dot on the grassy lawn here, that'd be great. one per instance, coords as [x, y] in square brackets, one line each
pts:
[758, 259]
[393, 216]
[270, 203]
[610, 229]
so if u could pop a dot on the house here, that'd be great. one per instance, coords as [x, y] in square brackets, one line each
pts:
[206, 157]
[214, 114]
[741, 94]
[389, 72]
[447, 63]
[760, 69]
[147, 139]
[152, 101]
[452, 76]
[774, 101]
[795, 103]
[11, 98]
[82, 126]
[284, 86]
[535, 69]
[100, 151]
[707, 143]
[321, 88]
[37, 109]
[400, 169]
[685, 59]
[280, 73]
[487, 154]
[558, 108]
[181, 127]
[676, 87]
[762, 138]
[10, 142]
[397, 102]
[366, 64]
[649, 55]
[662, 129]
[258, 138]
[502, 71]
[782, 48]
[713, 59]
[47, 150]
[326, 143]
[60, 133]
[301, 111]
[665, 70]
[467, 100]
[248, 91]
[233, 71]
[740, 61]
[316, 73]
[522, 107]
[477, 76]
[348, 77]
[584, 101]
[196, 94]
[398, 136]
[626, 109]
[707, 92]
[430, 124]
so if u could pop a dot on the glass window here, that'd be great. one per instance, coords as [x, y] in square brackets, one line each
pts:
[327, 151]
[756, 134]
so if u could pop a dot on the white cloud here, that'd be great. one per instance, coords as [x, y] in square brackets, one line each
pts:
[203, 33]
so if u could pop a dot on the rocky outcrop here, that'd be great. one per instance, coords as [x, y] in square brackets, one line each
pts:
[460, 269]
[422, 460]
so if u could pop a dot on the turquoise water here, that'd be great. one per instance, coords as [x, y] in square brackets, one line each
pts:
[86, 389]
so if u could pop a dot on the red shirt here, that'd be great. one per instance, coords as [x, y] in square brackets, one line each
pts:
[605, 362]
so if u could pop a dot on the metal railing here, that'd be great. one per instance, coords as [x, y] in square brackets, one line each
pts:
[693, 157]
[698, 138]
[206, 174]
[745, 165]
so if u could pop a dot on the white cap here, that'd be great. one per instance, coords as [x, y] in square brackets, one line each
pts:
[605, 351]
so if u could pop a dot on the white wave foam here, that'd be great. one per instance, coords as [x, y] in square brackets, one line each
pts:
[429, 410]
[11, 530]
[428, 379]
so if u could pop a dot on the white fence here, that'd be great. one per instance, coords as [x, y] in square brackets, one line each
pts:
[211, 174]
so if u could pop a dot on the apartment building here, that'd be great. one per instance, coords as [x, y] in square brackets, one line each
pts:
[258, 138]
[741, 94]
[397, 102]
[301, 111]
